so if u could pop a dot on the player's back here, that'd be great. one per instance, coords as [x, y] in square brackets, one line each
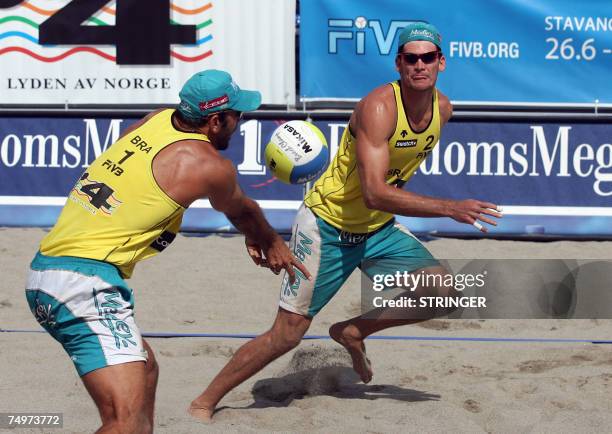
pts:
[117, 212]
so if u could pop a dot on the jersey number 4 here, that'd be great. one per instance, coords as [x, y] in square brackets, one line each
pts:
[142, 33]
[98, 193]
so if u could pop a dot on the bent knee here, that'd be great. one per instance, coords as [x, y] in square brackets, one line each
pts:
[287, 331]
[284, 342]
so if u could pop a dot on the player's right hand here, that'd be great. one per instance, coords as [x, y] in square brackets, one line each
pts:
[277, 257]
[470, 211]
[254, 251]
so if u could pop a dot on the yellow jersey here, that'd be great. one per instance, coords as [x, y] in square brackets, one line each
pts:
[336, 196]
[117, 212]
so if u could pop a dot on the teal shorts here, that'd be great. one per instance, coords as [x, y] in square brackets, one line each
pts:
[331, 255]
[88, 308]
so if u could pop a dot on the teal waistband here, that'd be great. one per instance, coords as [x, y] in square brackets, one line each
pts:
[89, 267]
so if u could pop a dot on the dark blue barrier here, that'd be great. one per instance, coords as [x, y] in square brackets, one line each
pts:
[553, 178]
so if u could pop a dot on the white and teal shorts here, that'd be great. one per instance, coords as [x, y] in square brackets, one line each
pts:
[331, 255]
[88, 308]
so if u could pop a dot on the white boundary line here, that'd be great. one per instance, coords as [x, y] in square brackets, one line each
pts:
[33, 200]
[203, 203]
[571, 211]
[481, 103]
[265, 204]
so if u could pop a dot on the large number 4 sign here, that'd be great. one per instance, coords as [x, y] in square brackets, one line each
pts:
[9, 3]
[142, 32]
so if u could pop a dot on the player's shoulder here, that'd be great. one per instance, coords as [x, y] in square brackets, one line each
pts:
[383, 94]
[193, 154]
[207, 163]
[379, 102]
[200, 165]
[376, 114]
[220, 167]
[446, 107]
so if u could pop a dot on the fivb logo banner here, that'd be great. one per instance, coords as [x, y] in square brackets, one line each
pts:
[121, 51]
[565, 45]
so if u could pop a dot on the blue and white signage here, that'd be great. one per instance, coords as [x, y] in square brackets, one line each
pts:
[557, 175]
[510, 51]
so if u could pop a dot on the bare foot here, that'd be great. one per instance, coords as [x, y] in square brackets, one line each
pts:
[204, 414]
[350, 339]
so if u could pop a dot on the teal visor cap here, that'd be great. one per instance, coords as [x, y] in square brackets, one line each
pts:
[211, 91]
[419, 31]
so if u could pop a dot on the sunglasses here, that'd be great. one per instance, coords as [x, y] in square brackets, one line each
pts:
[427, 58]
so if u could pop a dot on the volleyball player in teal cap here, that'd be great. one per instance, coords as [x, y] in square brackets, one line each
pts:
[348, 216]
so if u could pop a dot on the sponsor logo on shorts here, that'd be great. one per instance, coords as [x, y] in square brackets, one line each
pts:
[351, 238]
[301, 251]
[43, 314]
[108, 306]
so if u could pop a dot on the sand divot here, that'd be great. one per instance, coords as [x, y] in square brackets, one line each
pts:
[312, 371]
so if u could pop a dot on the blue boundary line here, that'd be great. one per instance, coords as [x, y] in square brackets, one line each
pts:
[375, 337]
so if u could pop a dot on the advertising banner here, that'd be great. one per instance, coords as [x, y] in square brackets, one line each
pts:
[506, 51]
[41, 159]
[142, 51]
[549, 177]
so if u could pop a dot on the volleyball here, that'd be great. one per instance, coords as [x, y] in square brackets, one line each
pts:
[297, 152]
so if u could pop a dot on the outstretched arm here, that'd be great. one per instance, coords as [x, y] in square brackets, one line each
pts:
[374, 124]
[245, 214]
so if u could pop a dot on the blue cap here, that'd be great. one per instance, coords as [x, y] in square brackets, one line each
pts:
[212, 91]
[419, 31]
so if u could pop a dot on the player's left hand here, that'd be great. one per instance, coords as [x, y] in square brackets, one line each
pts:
[470, 211]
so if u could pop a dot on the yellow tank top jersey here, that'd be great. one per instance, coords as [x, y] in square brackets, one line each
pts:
[336, 196]
[117, 212]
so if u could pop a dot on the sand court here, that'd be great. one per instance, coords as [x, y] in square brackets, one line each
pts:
[209, 285]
